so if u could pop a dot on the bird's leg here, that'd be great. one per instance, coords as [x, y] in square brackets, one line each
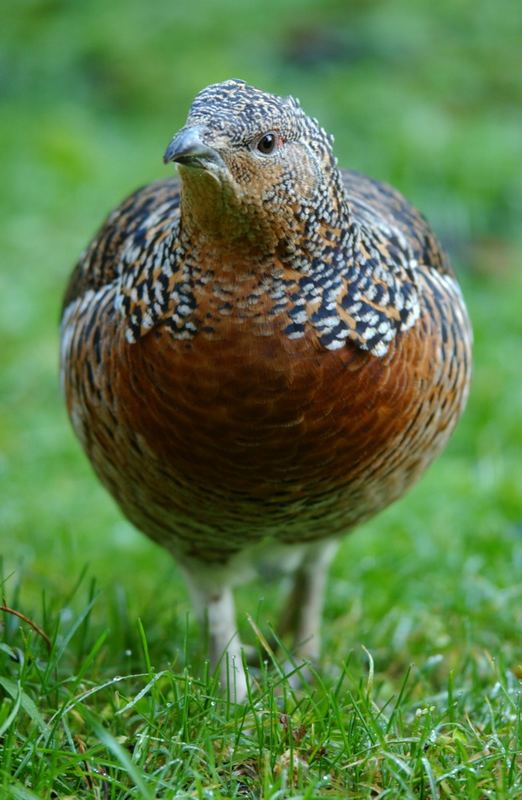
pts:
[303, 610]
[214, 606]
[225, 644]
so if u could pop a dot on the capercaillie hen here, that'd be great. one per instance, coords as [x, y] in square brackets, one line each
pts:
[261, 355]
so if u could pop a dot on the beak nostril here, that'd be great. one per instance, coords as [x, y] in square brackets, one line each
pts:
[189, 148]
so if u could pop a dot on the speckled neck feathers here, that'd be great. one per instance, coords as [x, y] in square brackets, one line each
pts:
[258, 212]
[280, 228]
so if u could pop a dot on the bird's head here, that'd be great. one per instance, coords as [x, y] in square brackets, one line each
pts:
[252, 163]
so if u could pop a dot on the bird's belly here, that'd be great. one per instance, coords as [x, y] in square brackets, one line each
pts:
[223, 442]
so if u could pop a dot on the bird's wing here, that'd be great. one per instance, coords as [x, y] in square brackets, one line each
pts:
[134, 230]
[377, 205]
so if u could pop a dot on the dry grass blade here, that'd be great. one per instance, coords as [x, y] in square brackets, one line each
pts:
[30, 622]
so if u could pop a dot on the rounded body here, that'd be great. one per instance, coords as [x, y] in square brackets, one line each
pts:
[213, 442]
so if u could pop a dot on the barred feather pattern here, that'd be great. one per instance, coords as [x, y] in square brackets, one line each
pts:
[284, 400]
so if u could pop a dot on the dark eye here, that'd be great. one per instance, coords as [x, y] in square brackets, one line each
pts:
[268, 143]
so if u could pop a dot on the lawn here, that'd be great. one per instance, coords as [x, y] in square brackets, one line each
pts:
[418, 692]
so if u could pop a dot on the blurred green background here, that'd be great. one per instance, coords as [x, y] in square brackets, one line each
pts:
[426, 96]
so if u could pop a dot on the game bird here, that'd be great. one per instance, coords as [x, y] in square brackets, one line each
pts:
[260, 355]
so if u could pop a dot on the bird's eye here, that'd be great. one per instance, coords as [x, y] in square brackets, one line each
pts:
[267, 143]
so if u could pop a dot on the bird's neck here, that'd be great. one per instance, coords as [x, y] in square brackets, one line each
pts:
[235, 231]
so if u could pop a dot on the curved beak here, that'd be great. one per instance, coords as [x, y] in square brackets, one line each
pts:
[189, 149]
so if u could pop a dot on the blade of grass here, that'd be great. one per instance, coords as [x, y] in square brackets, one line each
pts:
[123, 756]
[28, 705]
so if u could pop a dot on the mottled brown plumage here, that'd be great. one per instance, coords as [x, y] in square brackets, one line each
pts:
[263, 355]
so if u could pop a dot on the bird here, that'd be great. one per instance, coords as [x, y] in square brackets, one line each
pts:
[259, 354]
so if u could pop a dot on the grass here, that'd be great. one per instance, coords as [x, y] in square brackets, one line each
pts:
[418, 692]
[361, 731]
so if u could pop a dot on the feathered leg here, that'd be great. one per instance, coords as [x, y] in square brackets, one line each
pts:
[214, 605]
[303, 611]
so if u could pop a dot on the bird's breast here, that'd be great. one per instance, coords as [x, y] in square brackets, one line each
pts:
[248, 408]
[243, 428]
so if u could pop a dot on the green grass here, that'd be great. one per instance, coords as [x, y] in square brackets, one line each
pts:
[418, 692]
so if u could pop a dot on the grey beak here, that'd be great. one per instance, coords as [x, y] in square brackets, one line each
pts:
[189, 149]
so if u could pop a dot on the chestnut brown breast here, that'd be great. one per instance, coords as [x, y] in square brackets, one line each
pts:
[212, 443]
